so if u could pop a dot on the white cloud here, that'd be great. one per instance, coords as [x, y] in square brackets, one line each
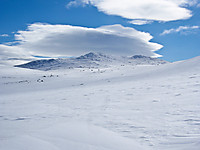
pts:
[181, 29]
[159, 10]
[4, 35]
[192, 2]
[140, 22]
[74, 4]
[66, 40]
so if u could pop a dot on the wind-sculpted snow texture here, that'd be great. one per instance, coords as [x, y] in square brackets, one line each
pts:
[91, 60]
[130, 107]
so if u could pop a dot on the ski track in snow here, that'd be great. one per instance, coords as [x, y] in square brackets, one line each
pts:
[126, 107]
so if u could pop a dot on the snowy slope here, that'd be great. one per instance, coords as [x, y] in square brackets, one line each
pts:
[137, 107]
[90, 60]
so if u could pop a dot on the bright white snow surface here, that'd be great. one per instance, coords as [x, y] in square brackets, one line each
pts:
[116, 108]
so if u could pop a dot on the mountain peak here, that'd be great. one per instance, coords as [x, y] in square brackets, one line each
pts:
[93, 56]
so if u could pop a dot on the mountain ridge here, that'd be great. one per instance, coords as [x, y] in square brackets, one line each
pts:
[90, 60]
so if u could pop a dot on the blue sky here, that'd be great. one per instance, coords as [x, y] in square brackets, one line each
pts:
[181, 39]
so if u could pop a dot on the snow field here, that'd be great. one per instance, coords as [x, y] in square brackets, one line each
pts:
[143, 107]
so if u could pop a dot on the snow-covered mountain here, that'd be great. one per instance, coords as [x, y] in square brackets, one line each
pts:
[130, 107]
[90, 60]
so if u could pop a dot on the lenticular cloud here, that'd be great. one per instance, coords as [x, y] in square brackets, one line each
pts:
[66, 40]
[158, 10]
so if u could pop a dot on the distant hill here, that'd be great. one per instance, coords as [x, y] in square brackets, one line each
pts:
[90, 60]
